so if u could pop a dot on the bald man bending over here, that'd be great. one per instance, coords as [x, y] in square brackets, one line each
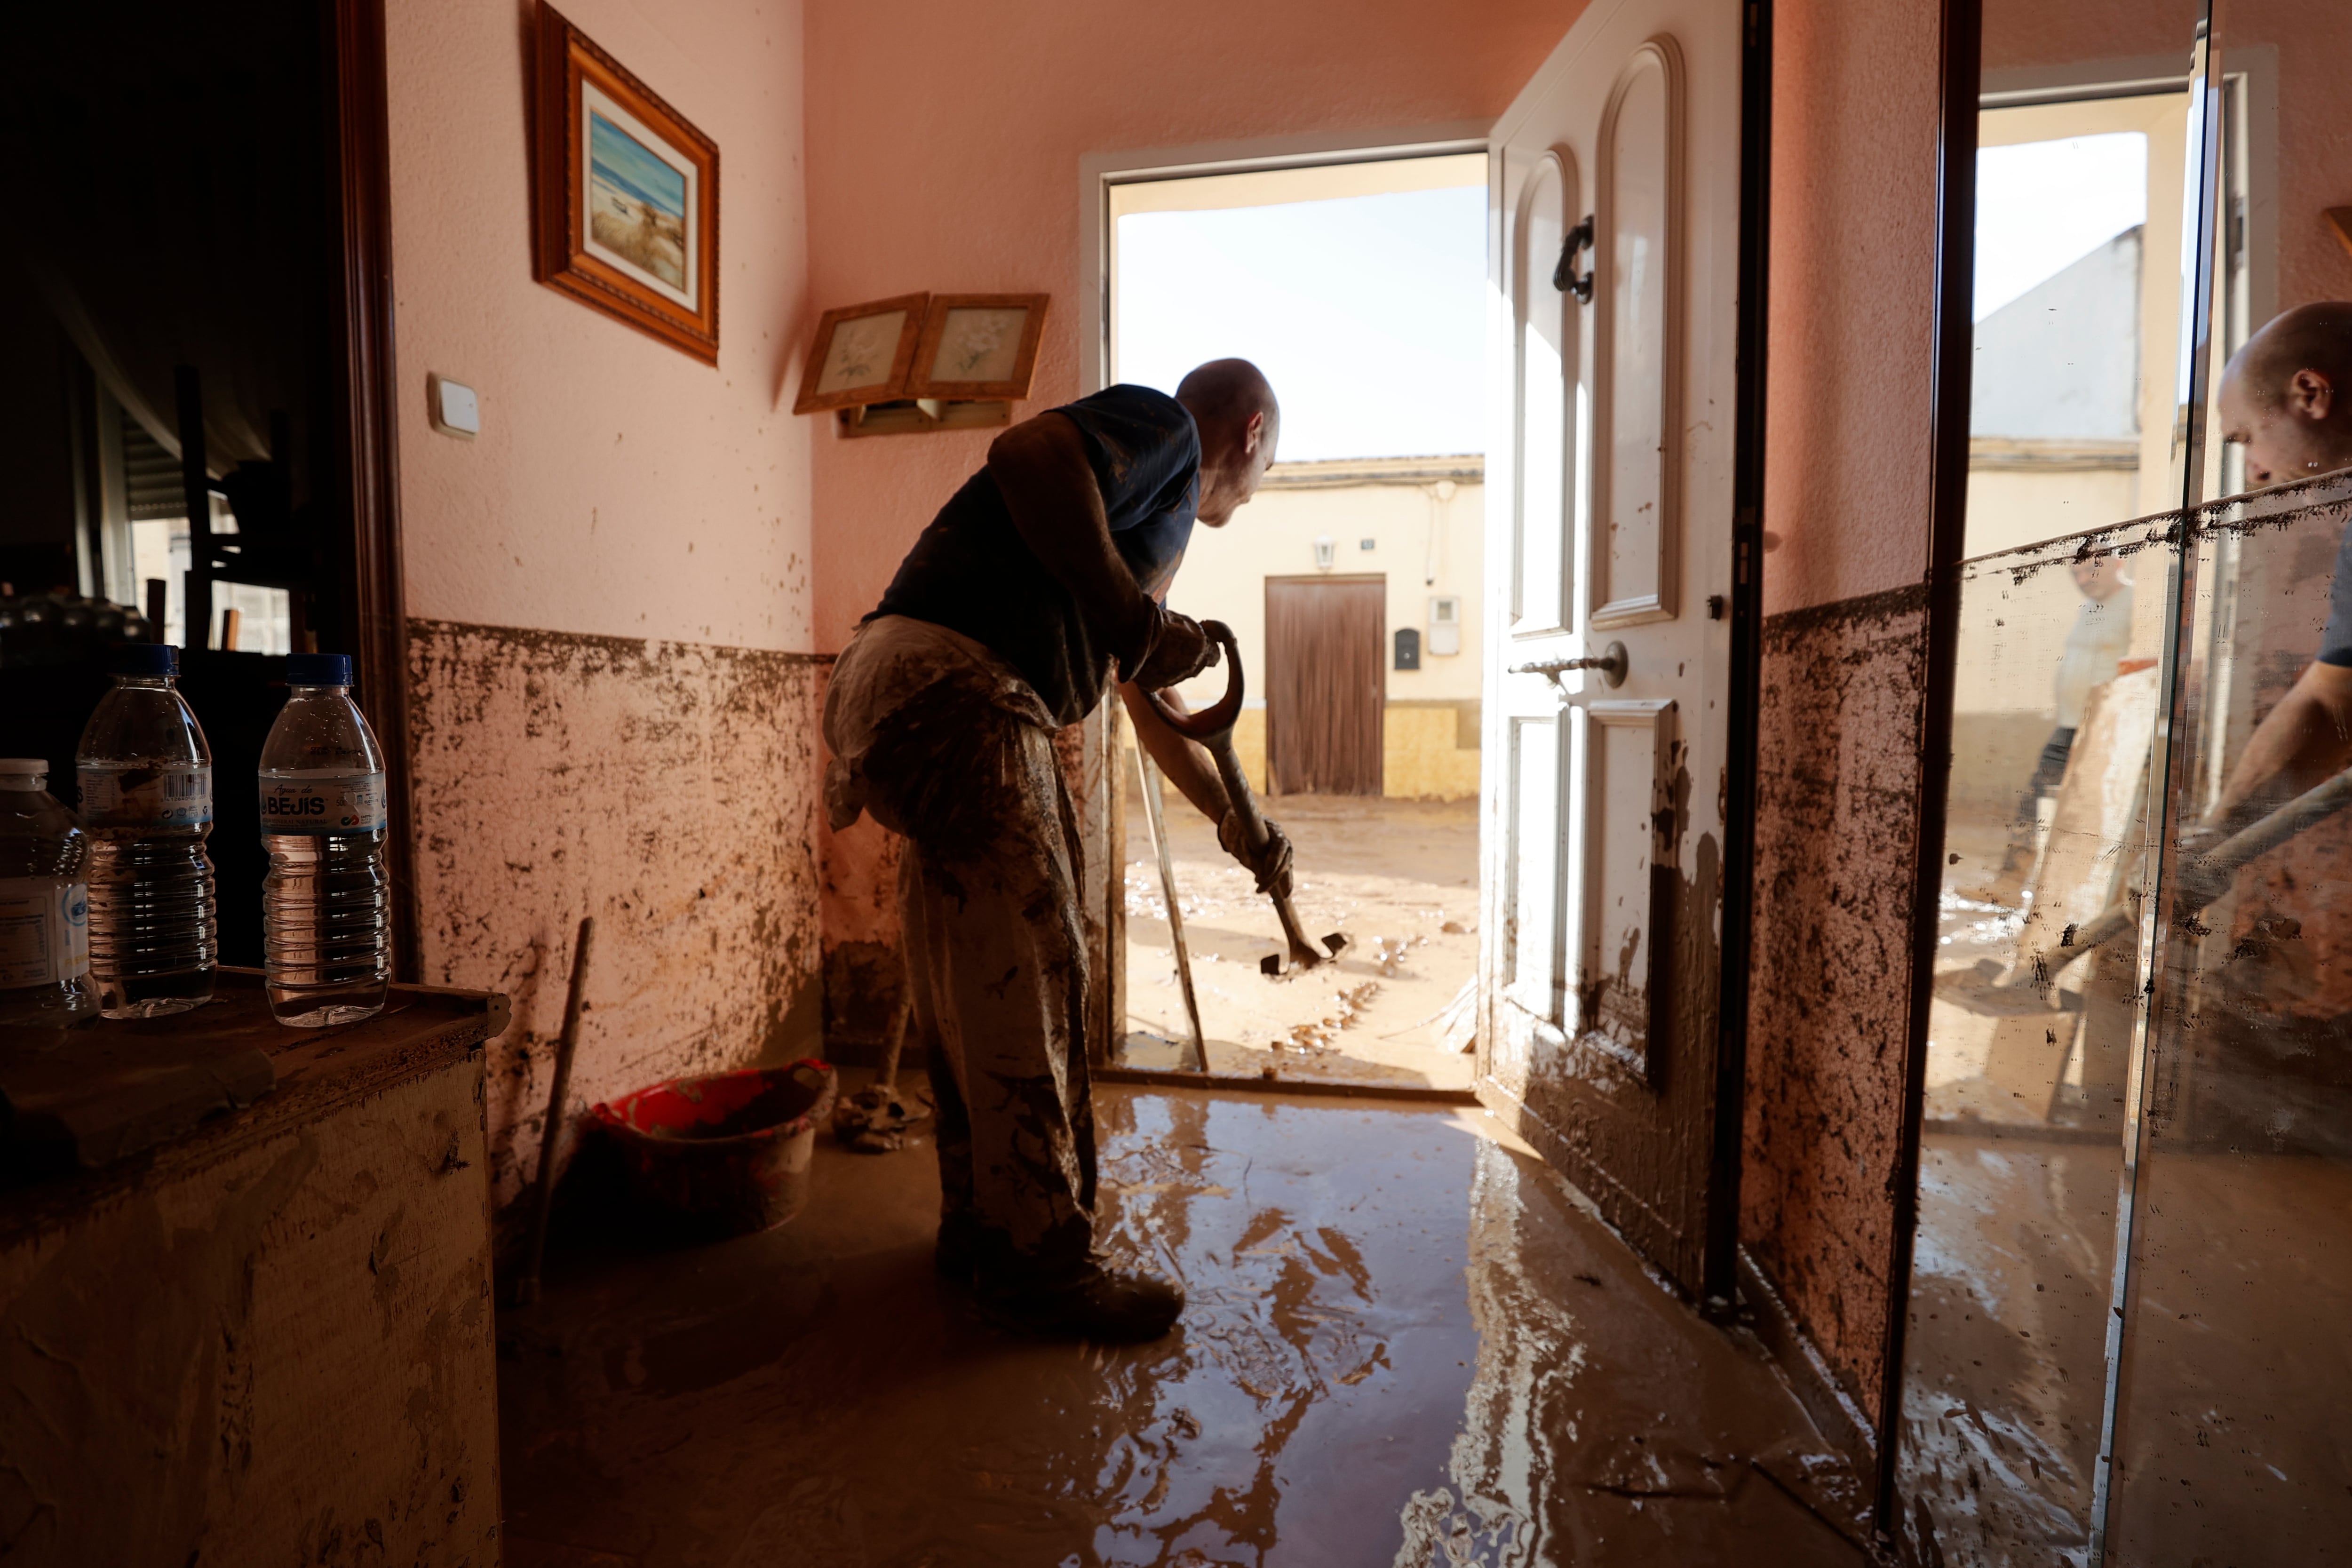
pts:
[2286, 398]
[1040, 578]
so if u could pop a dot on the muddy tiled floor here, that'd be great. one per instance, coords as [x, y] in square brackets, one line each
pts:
[1399, 877]
[1407, 1344]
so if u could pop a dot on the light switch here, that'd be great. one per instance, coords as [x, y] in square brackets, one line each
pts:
[454, 409]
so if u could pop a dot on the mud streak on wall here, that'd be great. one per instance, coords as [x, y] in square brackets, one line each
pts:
[1828, 1010]
[668, 789]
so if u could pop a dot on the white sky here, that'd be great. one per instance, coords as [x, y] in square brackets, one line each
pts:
[2044, 205]
[1367, 312]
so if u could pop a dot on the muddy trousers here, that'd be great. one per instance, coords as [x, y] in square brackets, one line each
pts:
[997, 964]
[952, 751]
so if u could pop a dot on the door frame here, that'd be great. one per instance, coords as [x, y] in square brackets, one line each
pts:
[366, 391]
[1104, 800]
[1951, 361]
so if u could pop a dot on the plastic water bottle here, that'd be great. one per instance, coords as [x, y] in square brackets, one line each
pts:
[44, 902]
[325, 936]
[146, 778]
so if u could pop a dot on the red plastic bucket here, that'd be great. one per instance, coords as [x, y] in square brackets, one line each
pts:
[722, 1153]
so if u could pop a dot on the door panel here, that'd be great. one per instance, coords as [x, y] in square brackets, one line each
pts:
[1636, 274]
[1534, 951]
[1325, 683]
[1629, 761]
[1615, 329]
[1543, 561]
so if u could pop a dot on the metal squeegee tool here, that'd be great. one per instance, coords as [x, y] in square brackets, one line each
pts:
[1213, 729]
[2207, 878]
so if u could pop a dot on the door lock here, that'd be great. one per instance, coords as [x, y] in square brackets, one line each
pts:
[1565, 276]
[1611, 664]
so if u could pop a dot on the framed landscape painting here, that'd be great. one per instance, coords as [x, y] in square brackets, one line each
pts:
[626, 194]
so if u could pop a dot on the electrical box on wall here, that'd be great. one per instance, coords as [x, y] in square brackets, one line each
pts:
[1408, 647]
[1444, 624]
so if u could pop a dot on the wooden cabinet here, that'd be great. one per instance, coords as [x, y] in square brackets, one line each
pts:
[271, 1339]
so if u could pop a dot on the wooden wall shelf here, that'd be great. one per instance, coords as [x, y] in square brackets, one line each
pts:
[916, 415]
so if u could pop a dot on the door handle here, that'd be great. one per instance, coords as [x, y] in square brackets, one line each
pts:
[1611, 664]
[1564, 276]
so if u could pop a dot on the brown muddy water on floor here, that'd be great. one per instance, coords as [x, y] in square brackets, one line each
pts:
[1407, 1343]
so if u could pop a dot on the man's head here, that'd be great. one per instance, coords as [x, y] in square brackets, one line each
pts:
[2287, 395]
[1233, 403]
[2098, 576]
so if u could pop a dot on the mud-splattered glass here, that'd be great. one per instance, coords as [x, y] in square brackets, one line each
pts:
[2091, 214]
[2124, 1340]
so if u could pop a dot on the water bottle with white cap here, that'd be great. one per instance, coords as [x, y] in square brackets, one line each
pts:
[44, 902]
[146, 778]
[325, 936]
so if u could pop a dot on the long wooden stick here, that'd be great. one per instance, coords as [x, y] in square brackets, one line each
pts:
[551, 1142]
[2199, 883]
[1213, 727]
[1155, 816]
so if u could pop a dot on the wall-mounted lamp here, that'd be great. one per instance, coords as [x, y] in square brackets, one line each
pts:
[1325, 551]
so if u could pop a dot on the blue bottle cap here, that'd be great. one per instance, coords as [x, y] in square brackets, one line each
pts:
[318, 669]
[147, 658]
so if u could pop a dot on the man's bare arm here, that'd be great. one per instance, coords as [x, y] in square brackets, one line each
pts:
[1040, 468]
[2306, 738]
[1186, 762]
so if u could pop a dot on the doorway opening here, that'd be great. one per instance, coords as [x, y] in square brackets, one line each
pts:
[1352, 584]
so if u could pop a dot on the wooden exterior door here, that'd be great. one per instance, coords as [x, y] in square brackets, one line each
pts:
[1325, 687]
[1614, 200]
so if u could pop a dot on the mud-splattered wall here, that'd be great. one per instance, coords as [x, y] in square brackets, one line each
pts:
[1838, 805]
[668, 789]
[1846, 520]
[612, 656]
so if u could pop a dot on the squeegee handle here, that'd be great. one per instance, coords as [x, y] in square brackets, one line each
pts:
[2207, 878]
[1213, 727]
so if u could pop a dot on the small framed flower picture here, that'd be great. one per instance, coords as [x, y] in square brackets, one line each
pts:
[862, 354]
[979, 346]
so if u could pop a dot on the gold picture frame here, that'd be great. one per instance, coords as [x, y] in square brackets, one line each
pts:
[977, 346]
[627, 194]
[862, 354]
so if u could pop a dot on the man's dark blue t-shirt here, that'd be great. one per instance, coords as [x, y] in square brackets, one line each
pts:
[972, 573]
[2335, 643]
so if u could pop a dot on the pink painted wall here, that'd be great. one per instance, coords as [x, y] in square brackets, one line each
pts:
[612, 686]
[1853, 267]
[944, 142]
[1846, 520]
[618, 486]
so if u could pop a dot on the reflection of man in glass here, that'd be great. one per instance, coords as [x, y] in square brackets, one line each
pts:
[2286, 398]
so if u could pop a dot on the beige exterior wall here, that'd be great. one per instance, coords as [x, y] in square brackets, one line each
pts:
[1423, 517]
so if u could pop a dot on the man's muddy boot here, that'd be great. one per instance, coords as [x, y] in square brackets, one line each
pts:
[1122, 1305]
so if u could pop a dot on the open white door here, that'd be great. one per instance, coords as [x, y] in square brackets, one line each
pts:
[1614, 201]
